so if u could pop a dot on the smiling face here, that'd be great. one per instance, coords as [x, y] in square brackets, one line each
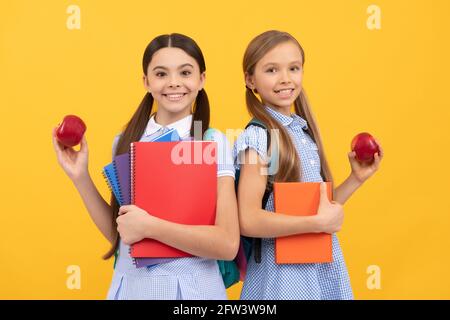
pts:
[174, 80]
[278, 76]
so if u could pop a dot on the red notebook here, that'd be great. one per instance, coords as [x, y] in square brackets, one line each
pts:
[175, 181]
[301, 199]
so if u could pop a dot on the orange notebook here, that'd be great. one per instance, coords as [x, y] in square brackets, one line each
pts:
[173, 181]
[301, 199]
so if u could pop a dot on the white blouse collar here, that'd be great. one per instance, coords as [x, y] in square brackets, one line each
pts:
[183, 126]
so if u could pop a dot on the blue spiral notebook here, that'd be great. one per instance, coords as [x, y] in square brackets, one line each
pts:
[113, 183]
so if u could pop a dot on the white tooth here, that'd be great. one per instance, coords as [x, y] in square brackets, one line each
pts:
[284, 91]
[176, 96]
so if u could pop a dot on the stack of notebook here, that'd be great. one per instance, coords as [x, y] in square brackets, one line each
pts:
[165, 178]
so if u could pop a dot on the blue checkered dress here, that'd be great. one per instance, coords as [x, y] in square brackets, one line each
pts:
[268, 280]
[190, 278]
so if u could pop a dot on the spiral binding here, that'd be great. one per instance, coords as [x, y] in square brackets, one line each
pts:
[105, 176]
[111, 187]
[118, 184]
[132, 150]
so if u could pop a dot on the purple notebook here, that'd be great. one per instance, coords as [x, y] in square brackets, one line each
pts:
[122, 167]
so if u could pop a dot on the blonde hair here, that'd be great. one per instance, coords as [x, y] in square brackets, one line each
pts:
[289, 161]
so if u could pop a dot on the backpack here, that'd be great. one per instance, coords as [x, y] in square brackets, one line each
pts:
[235, 270]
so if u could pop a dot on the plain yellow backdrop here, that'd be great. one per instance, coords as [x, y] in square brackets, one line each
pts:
[391, 82]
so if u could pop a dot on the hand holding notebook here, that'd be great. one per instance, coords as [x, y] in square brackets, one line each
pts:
[117, 176]
[178, 192]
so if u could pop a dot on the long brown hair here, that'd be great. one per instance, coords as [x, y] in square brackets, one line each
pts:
[138, 122]
[289, 161]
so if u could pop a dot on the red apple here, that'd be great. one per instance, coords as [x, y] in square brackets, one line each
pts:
[70, 131]
[365, 147]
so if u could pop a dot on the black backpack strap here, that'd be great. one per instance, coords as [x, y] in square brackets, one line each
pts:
[267, 192]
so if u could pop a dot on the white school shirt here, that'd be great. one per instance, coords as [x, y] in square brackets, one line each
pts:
[188, 278]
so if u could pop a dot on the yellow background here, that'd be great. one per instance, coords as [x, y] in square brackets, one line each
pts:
[390, 82]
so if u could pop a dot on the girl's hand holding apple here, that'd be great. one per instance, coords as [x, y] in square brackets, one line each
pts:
[365, 156]
[68, 134]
